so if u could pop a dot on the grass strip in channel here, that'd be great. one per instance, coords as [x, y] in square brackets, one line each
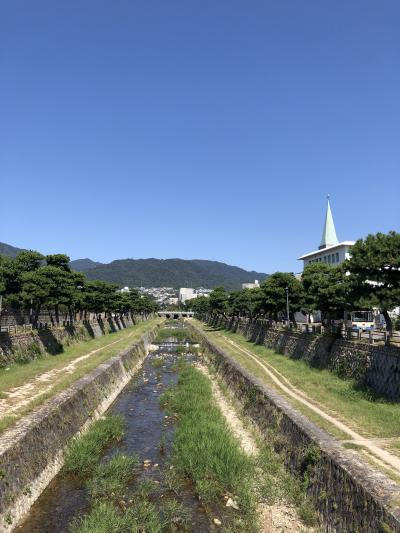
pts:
[206, 452]
[110, 479]
[178, 334]
[104, 517]
[84, 452]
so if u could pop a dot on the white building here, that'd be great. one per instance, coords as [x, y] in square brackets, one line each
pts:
[186, 294]
[330, 250]
[254, 285]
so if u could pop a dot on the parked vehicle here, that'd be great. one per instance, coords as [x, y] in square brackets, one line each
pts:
[362, 320]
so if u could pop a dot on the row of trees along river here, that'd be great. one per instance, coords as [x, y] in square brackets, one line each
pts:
[32, 282]
[370, 279]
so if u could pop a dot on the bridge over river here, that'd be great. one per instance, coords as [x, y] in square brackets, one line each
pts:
[176, 314]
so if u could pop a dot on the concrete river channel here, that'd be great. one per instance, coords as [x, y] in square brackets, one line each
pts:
[149, 434]
[172, 423]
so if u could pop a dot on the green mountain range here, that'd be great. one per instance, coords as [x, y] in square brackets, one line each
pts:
[8, 250]
[172, 273]
[160, 272]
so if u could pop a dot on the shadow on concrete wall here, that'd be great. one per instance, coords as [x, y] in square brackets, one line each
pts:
[51, 344]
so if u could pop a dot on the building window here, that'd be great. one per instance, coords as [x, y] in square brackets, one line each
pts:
[337, 257]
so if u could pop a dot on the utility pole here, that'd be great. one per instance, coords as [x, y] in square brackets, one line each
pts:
[287, 306]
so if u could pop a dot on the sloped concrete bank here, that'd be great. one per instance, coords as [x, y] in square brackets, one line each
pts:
[31, 453]
[349, 496]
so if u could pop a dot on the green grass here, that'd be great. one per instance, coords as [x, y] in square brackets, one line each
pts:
[110, 479]
[157, 362]
[343, 398]
[18, 375]
[206, 452]
[84, 452]
[178, 334]
[144, 517]
[119, 515]
[104, 517]
[176, 516]
[257, 371]
[352, 446]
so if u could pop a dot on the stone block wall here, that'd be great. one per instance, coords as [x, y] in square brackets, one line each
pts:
[28, 345]
[384, 373]
[349, 496]
[17, 317]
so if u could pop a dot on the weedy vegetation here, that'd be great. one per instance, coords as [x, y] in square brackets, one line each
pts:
[206, 452]
[157, 362]
[104, 517]
[111, 479]
[177, 334]
[84, 452]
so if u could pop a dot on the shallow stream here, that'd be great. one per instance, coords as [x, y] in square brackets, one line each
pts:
[148, 435]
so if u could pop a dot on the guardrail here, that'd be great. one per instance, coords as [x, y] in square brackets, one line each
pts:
[370, 336]
[375, 336]
[44, 325]
[16, 329]
[51, 326]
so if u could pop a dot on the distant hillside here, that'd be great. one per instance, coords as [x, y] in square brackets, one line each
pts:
[160, 272]
[82, 265]
[8, 250]
[79, 264]
[172, 273]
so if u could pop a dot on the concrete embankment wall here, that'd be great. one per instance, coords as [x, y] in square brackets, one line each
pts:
[349, 496]
[28, 345]
[377, 366]
[31, 452]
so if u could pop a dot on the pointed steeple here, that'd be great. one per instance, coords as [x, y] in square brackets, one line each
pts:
[329, 237]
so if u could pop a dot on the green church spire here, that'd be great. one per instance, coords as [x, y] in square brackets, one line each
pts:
[329, 237]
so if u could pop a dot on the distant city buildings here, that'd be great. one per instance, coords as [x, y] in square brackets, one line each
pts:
[125, 289]
[168, 296]
[254, 285]
[186, 293]
[330, 251]
[161, 295]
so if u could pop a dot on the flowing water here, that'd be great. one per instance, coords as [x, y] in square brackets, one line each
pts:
[146, 427]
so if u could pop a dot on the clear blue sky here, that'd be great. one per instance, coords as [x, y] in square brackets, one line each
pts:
[197, 129]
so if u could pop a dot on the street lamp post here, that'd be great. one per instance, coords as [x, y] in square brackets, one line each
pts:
[287, 306]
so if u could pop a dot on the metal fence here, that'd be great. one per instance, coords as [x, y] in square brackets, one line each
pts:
[371, 336]
[16, 329]
[45, 325]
